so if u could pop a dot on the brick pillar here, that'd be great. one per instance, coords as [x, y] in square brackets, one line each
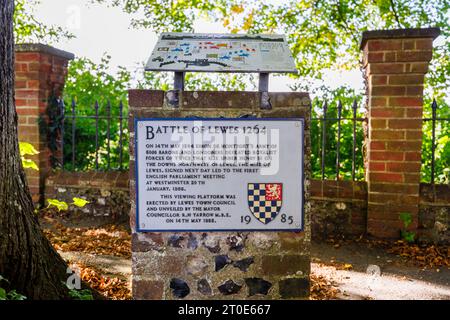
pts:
[40, 72]
[395, 63]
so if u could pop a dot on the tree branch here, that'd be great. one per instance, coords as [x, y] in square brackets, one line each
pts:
[395, 14]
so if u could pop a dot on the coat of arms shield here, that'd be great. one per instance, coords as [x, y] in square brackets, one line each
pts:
[265, 200]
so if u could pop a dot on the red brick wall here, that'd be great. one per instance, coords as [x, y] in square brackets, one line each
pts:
[339, 209]
[40, 71]
[395, 63]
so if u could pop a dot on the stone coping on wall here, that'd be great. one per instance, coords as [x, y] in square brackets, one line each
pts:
[399, 33]
[346, 190]
[110, 179]
[39, 47]
[342, 190]
[436, 195]
[216, 99]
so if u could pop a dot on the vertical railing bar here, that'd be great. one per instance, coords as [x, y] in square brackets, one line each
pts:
[109, 133]
[310, 111]
[120, 134]
[354, 107]
[338, 142]
[325, 107]
[433, 138]
[62, 110]
[73, 133]
[96, 106]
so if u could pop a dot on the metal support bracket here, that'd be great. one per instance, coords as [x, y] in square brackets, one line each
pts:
[173, 96]
[179, 81]
[264, 90]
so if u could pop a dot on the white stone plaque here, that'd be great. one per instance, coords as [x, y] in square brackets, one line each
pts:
[219, 174]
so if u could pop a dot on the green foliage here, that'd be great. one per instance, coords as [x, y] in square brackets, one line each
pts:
[406, 219]
[84, 294]
[442, 151]
[347, 96]
[13, 295]
[322, 34]
[28, 29]
[9, 295]
[27, 149]
[79, 202]
[88, 83]
[63, 206]
[60, 205]
[408, 236]
[175, 16]
[2, 294]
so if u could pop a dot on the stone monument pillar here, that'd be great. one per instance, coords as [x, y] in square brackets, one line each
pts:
[214, 264]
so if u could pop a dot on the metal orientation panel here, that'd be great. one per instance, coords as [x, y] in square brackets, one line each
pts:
[200, 52]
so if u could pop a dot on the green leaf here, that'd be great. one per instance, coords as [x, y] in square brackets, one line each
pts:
[27, 163]
[81, 294]
[406, 218]
[60, 205]
[2, 294]
[27, 149]
[79, 202]
[408, 236]
[13, 295]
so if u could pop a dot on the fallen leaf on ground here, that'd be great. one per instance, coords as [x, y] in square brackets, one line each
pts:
[108, 240]
[425, 256]
[322, 288]
[111, 288]
[347, 266]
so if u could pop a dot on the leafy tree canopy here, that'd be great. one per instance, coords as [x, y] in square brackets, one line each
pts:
[323, 34]
[27, 28]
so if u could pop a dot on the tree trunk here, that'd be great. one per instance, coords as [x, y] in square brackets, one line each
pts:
[27, 259]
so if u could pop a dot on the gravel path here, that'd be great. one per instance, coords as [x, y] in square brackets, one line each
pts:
[375, 274]
[110, 265]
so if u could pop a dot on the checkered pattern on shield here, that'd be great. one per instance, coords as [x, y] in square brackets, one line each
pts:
[264, 200]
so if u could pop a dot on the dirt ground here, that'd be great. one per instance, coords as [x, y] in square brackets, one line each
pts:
[360, 271]
[345, 270]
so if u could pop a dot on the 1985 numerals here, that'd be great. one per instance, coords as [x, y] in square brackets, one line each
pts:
[283, 218]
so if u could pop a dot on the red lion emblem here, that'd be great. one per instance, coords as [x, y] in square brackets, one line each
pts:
[273, 191]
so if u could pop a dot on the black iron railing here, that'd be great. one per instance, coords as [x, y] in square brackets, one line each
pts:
[76, 128]
[326, 133]
[96, 139]
[443, 123]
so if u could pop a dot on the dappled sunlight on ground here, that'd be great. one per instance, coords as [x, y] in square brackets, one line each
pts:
[341, 269]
